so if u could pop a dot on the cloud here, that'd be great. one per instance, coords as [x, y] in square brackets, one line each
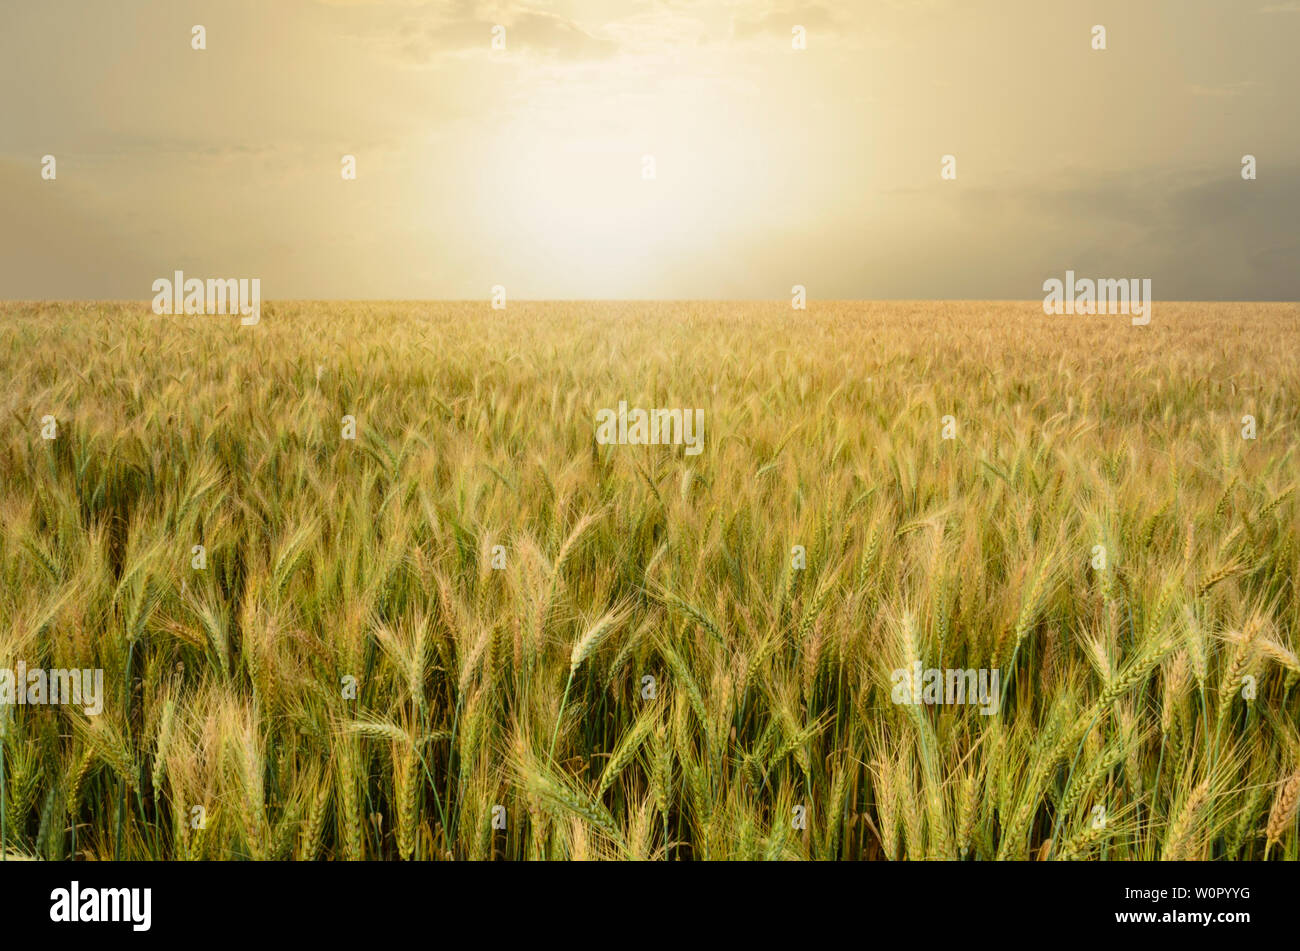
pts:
[781, 19]
[1199, 236]
[468, 27]
[68, 245]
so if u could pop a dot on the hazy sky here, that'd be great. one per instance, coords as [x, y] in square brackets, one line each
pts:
[774, 166]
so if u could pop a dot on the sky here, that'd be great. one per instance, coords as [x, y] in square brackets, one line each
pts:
[525, 167]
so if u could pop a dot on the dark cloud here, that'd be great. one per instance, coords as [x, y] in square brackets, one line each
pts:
[1198, 236]
[66, 246]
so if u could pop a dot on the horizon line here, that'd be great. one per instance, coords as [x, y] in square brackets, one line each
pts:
[626, 300]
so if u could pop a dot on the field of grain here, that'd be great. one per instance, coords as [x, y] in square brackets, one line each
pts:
[356, 671]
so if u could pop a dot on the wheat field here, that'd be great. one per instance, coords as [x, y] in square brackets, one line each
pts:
[670, 656]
